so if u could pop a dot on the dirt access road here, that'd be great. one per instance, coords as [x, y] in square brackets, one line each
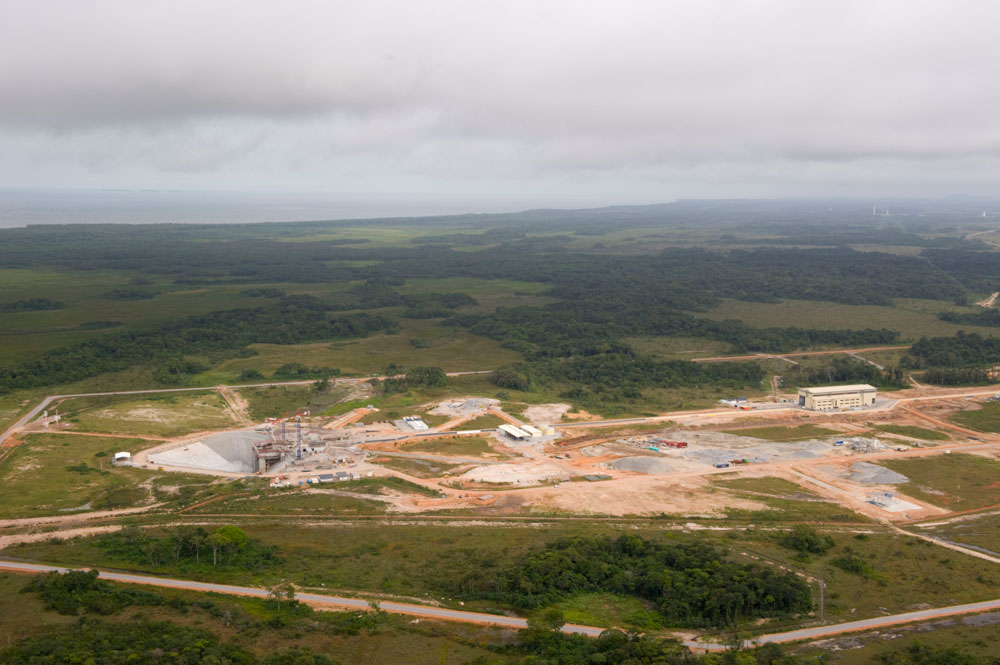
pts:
[800, 354]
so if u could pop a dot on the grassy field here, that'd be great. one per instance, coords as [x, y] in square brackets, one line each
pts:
[400, 641]
[418, 468]
[914, 432]
[55, 473]
[981, 531]
[248, 622]
[422, 560]
[605, 609]
[672, 348]
[336, 498]
[384, 485]
[778, 487]
[452, 350]
[903, 570]
[786, 502]
[476, 446]
[418, 399]
[275, 401]
[986, 419]
[799, 433]
[158, 415]
[912, 318]
[975, 635]
[956, 482]
[25, 334]
[432, 419]
[294, 502]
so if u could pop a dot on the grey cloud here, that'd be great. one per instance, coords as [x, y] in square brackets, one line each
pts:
[634, 97]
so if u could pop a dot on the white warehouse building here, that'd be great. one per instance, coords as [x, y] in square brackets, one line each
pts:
[837, 397]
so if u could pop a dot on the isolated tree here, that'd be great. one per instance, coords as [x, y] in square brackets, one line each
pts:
[216, 541]
[228, 537]
[283, 592]
[551, 620]
[392, 369]
[198, 539]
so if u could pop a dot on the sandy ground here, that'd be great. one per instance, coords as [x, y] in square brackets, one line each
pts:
[239, 407]
[638, 495]
[62, 534]
[467, 406]
[546, 414]
[76, 517]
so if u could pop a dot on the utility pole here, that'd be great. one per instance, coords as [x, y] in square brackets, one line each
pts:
[298, 432]
[822, 599]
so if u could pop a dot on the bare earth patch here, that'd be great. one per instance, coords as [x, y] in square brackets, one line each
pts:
[546, 414]
[644, 495]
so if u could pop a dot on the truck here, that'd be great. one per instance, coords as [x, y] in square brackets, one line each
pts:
[654, 449]
[722, 465]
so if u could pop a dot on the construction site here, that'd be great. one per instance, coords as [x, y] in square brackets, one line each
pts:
[473, 454]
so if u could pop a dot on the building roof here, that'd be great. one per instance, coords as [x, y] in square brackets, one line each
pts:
[839, 390]
[515, 432]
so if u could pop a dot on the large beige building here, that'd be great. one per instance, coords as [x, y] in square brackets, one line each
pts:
[837, 397]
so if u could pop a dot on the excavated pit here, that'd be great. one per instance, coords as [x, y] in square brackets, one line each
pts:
[231, 452]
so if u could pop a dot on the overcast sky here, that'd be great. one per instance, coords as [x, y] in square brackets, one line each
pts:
[527, 103]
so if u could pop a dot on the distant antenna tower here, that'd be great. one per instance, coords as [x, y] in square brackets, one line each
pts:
[283, 430]
[874, 209]
[298, 446]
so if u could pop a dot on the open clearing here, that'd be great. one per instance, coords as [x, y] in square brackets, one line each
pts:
[276, 401]
[157, 415]
[419, 468]
[478, 446]
[51, 474]
[976, 530]
[452, 350]
[800, 433]
[914, 432]
[956, 481]
[910, 317]
[986, 419]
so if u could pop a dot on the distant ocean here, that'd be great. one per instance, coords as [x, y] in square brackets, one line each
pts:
[24, 207]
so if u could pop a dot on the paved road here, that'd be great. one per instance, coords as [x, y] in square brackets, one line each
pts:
[879, 622]
[445, 614]
[426, 611]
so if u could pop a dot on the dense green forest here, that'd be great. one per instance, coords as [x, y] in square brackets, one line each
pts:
[690, 584]
[962, 350]
[220, 335]
[606, 275]
[985, 317]
[621, 374]
[31, 305]
[842, 369]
